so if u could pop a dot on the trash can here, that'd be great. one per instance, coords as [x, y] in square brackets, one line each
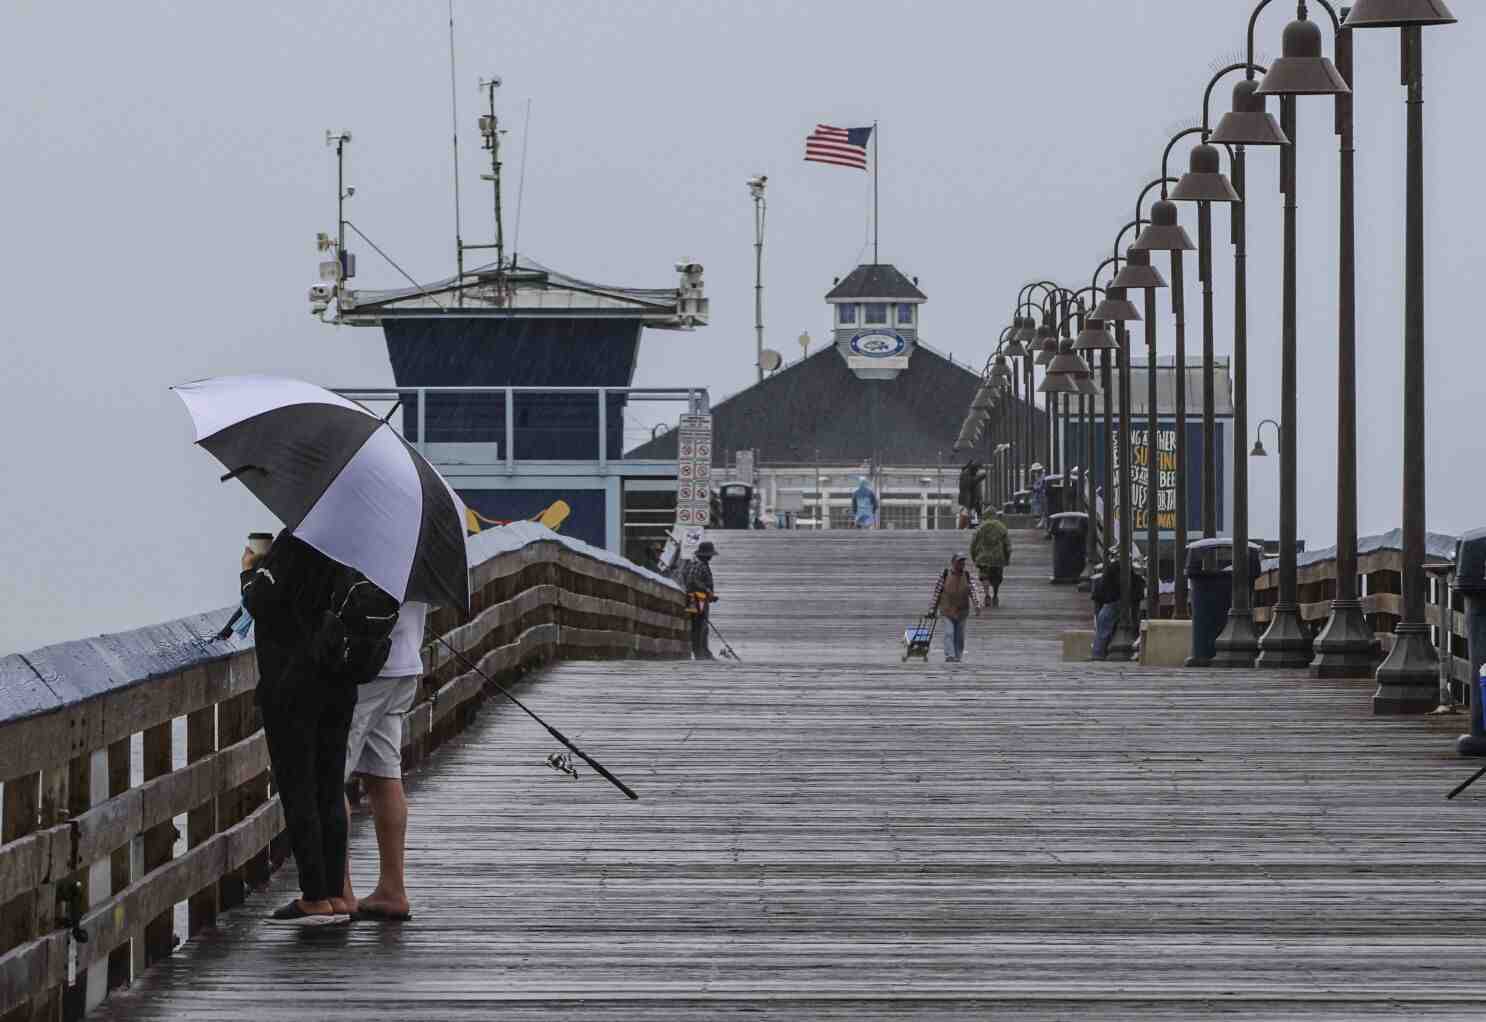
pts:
[1470, 581]
[1054, 496]
[1070, 538]
[737, 506]
[1210, 572]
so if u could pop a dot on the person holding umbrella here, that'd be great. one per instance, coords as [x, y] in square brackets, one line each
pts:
[306, 714]
[369, 525]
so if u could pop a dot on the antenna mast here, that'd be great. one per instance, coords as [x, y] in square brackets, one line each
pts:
[454, 116]
[491, 131]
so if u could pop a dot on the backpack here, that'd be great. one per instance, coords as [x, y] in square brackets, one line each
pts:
[356, 636]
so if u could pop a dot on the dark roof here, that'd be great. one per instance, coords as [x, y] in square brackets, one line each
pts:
[819, 405]
[875, 281]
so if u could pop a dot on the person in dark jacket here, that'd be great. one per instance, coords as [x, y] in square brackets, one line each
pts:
[1106, 596]
[306, 718]
[701, 593]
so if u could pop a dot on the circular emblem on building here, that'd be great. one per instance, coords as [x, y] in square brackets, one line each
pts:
[878, 345]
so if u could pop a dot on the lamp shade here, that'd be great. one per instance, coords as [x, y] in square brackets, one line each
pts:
[1116, 308]
[1397, 14]
[1248, 123]
[1026, 332]
[1163, 233]
[1058, 383]
[1094, 337]
[1204, 180]
[1303, 70]
[1087, 385]
[1138, 272]
[1068, 361]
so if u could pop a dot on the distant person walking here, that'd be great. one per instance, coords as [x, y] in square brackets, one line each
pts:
[954, 595]
[374, 751]
[306, 715]
[990, 550]
[864, 505]
[701, 593]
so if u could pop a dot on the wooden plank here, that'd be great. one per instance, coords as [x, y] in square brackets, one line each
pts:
[201, 820]
[19, 819]
[159, 840]
[120, 961]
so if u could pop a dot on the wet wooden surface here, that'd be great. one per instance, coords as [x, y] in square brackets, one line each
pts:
[826, 833]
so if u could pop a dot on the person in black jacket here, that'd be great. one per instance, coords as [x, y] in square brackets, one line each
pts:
[306, 718]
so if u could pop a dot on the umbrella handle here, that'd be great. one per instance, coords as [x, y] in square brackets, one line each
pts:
[241, 469]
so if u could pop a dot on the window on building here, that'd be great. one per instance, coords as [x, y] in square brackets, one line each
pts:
[905, 315]
[847, 313]
[876, 314]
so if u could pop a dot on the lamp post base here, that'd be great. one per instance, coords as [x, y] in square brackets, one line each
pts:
[1346, 647]
[1471, 745]
[1284, 645]
[1238, 646]
[1409, 679]
[1122, 643]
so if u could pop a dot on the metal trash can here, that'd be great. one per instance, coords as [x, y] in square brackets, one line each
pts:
[1070, 531]
[737, 506]
[1210, 572]
[1470, 581]
[1054, 497]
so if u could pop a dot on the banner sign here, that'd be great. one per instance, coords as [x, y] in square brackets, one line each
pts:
[1150, 477]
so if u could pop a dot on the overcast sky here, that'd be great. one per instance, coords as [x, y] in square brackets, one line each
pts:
[165, 173]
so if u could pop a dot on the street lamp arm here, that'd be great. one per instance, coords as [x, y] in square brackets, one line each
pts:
[1166, 154]
[1161, 181]
[1094, 280]
[1137, 224]
[1207, 96]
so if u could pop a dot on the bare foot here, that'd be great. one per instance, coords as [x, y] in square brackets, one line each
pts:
[318, 908]
[385, 903]
[343, 906]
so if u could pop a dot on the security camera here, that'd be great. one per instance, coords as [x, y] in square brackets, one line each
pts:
[350, 190]
[322, 293]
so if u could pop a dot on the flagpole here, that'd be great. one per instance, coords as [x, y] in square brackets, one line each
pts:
[874, 193]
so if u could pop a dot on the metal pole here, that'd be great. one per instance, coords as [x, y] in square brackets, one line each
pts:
[874, 194]
[1106, 378]
[1152, 466]
[1238, 645]
[1127, 629]
[758, 278]
[1344, 649]
[1209, 424]
[1285, 643]
[1178, 307]
[1406, 679]
[1015, 427]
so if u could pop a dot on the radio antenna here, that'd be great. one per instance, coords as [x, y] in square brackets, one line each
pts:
[454, 116]
[521, 183]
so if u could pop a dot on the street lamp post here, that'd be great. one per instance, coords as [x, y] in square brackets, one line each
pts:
[1301, 71]
[1119, 310]
[1246, 124]
[1406, 678]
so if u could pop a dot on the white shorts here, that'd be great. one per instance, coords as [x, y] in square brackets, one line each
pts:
[375, 744]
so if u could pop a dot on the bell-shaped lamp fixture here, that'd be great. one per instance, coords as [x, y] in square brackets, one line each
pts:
[982, 397]
[1116, 308]
[1068, 361]
[1027, 332]
[1397, 14]
[1138, 272]
[1303, 70]
[1163, 233]
[1094, 336]
[1258, 451]
[1248, 123]
[1204, 180]
[1049, 344]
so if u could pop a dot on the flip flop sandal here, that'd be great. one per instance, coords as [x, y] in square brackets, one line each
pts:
[372, 914]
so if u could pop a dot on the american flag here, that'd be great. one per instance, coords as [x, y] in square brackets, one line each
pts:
[844, 147]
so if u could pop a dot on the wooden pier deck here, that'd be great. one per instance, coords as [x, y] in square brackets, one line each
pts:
[826, 833]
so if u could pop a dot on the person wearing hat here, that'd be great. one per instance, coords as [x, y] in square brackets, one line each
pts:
[1039, 493]
[696, 579]
[955, 594]
[991, 552]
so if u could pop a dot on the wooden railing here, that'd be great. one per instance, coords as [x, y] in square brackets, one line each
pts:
[1380, 581]
[109, 745]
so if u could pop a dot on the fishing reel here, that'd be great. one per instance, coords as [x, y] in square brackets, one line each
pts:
[563, 764]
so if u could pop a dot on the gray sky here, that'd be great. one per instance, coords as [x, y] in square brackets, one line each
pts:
[165, 174]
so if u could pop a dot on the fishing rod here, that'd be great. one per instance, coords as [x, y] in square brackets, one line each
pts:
[1472, 779]
[727, 650]
[597, 766]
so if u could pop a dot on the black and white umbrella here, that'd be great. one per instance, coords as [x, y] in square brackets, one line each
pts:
[340, 478]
